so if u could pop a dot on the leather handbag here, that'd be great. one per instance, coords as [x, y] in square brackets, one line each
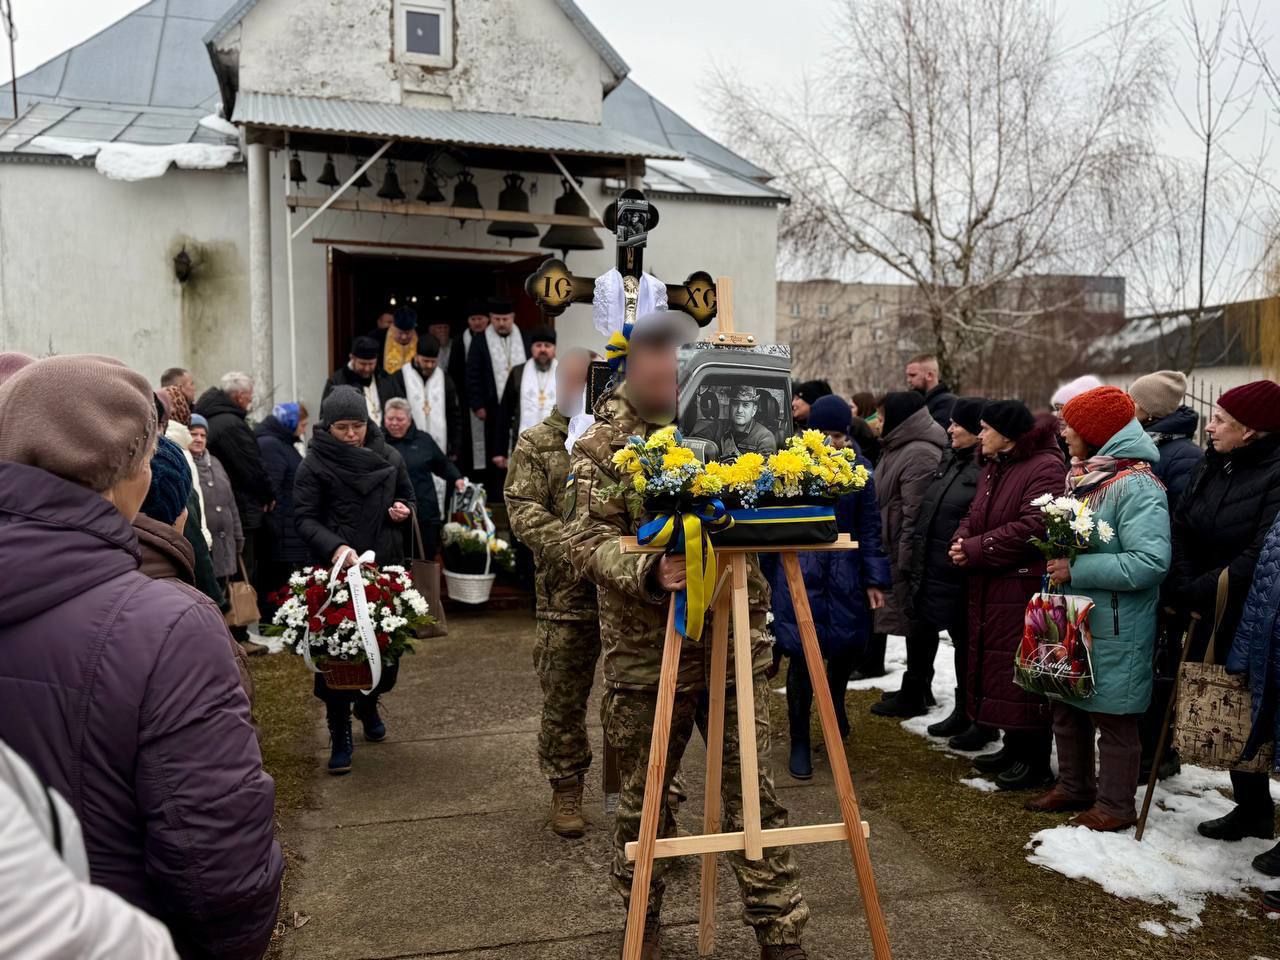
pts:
[1215, 710]
[242, 600]
[425, 574]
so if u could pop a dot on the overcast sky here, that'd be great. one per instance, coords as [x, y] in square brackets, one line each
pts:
[670, 44]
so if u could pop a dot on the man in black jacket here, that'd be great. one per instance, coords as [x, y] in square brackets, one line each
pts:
[923, 377]
[936, 589]
[361, 373]
[231, 440]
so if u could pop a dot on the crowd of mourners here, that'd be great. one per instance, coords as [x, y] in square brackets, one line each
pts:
[130, 513]
[946, 529]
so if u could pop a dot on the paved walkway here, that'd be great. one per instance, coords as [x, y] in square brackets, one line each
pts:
[436, 845]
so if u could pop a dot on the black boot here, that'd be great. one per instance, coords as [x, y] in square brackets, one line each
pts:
[1269, 862]
[1241, 823]
[366, 709]
[910, 701]
[955, 724]
[801, 763]
[1024, 776]
[340, 745]
[872, 663]
[995, 763]
[975, 738]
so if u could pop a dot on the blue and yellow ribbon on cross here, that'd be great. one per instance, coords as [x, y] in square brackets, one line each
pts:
[689, 532]
[618, 346]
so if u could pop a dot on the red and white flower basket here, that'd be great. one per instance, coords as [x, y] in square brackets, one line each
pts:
[346, 624]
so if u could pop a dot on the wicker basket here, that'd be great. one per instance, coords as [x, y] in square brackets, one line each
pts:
[471, 588]
[345, 675]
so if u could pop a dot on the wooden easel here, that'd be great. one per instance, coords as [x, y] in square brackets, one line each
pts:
[730, 600]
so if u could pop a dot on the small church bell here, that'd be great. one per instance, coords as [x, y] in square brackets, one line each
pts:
[329, 175]
[513, 199]
[390, 189]
[430, 192]
[566, 238]
[295, 169]
[362, 182]
[465, 193]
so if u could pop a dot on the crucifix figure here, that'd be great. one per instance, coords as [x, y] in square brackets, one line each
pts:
[631, 217]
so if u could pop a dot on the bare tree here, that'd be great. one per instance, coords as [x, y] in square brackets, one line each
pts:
[957, 145]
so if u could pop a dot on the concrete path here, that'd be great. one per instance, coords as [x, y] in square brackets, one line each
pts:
[436, 845]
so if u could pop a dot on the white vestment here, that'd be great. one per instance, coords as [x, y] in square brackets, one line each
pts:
[427, 404]
[537, 394]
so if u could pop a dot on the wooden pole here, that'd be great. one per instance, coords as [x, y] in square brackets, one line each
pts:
[1163, 743]
[715, 767]
[835, 754]
[724, 304]
[655, 796]
[744, 681]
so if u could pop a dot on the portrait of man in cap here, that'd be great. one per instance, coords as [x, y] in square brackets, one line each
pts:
[738, 429]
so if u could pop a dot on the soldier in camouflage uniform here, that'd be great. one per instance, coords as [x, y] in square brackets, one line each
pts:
[634, 590]
[568, 633]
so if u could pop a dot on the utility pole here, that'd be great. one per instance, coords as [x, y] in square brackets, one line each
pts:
[6, 14]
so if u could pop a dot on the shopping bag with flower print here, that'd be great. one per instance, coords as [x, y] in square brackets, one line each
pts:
[1055, 657]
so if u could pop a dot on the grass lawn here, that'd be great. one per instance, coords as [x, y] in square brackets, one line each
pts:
[286, 713]
[983, 835]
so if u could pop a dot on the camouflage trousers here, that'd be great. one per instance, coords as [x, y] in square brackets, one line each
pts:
[565, 656]
[772, 903]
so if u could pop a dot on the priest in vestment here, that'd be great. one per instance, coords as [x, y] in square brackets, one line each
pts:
[530, 393]
[492, 358]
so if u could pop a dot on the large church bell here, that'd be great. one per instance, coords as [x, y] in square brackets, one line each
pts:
[513, 199]
[566, 238]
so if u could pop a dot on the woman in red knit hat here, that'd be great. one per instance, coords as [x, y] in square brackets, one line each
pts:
[1218, 529]
[1121, 572]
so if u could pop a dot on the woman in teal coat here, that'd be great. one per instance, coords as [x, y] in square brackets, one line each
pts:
[1111, 461]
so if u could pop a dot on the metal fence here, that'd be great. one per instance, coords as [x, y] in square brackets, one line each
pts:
[1201, 397]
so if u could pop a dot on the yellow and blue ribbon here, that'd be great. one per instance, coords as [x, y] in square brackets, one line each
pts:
[801, 513]
[619, 345]
[688, 532]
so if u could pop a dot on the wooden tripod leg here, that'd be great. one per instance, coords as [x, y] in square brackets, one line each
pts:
[744, 682]
[715, 767]
[835, 754]
[655, 795]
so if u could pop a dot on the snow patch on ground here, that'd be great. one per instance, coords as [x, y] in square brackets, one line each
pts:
[1173, 866]
[132, 162]
[1155, 928]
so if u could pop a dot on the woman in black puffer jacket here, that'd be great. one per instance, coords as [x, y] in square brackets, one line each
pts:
[1218, 529]
[937, 591]
[352, 491]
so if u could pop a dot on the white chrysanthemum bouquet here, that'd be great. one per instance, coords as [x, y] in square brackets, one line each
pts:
[1070, 527]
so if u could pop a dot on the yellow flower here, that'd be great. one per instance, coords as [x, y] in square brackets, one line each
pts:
[707, 484]
[639, 482]
[661, 439]
[788, 466]
[625, 457]
[813, 440]
[677, 457]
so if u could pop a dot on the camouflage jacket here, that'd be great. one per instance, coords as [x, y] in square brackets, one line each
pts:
[633, 608]
[537, 495]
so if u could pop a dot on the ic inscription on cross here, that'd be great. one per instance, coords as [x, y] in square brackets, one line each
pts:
[631, 217]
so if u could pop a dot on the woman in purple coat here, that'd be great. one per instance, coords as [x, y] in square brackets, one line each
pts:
[122, 691]
[993, 543]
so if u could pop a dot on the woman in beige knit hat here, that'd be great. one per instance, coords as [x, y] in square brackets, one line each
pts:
[120, 690]
[1171, 424]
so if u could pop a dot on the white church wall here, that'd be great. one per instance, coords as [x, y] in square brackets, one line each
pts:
[86, 266]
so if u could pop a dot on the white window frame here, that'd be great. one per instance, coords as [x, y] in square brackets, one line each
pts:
[441, 8]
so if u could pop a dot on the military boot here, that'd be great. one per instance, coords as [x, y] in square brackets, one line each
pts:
[366, 708]
[785, 951]
[651, 947]
[566, 808]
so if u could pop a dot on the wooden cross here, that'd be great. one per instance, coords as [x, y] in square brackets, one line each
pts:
[631, 217]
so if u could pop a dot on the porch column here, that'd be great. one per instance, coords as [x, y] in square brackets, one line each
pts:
[260, 319]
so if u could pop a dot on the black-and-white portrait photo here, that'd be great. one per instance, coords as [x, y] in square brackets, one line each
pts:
[735, 400]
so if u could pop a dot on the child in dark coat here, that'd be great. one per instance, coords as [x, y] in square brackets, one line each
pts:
[843, 588]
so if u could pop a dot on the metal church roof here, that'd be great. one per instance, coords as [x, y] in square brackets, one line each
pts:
[463, 127]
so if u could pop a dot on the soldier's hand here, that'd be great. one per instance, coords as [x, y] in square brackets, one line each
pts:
[671, 572]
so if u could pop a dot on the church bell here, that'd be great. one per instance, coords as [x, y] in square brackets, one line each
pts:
[362, 182]
[465, 193]
[390, 189]
[565, 238]
[430, 192]
[513, 199]
[329, 175]
[295, 169]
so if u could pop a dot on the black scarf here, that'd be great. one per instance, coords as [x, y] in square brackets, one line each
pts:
[364, 468]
